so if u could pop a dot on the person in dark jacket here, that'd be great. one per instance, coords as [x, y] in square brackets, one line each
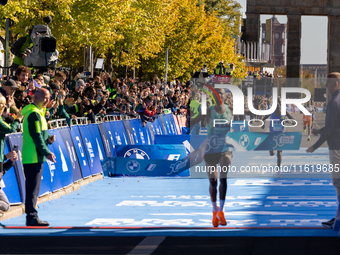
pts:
[331, 134]
[10, 157]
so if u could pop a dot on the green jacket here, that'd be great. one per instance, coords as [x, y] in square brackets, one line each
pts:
[28, 44]
[35, 135]
[5, 128]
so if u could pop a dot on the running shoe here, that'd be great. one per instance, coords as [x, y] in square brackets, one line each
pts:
[308, 139]
[328, 224]
[222, 220]
[215, 220]
[304, 130]
[278, 175]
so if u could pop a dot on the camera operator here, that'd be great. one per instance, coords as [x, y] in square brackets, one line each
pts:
[20, 49]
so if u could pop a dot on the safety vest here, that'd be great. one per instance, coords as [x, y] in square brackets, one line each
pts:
[28, 44]
[29, 150]
[112, 90]
[194, 105]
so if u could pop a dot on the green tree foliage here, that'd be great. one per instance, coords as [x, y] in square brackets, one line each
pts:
[144, 27]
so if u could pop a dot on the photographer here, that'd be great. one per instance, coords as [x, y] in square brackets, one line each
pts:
[20, 49]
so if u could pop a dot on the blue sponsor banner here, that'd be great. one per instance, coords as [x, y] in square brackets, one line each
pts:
[164, 151]
[66, 136]
[119, 134]
[105, 140]
[61, 170]
[136, 132]
[159, 167]
[161, 122]
[248, 141]
[173, 124]
[110, 135]
[129, 132]
[169, 124]
[93, 151]
[191, 142]
[141, 134]
[160, 130]
[16, 139]
[240, 126]
[81, 151]
[10, 182]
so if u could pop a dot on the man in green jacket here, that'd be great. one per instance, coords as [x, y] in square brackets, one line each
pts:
[35, 152]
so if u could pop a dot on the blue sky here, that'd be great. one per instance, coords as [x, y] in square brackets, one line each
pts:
[313, 37]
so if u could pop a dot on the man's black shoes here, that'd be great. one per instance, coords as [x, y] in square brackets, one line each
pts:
[328, 224]
[36, 223]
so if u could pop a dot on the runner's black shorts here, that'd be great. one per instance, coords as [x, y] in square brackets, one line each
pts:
[214, 158]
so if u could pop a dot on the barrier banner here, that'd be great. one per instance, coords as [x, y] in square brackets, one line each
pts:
[110, 134]
[178, 127]
[169, 124]
[66, 136]
[155, 129]
[240, 126]
[105, 140]
[161, 122]
[164, 151]
[93, 151]
[159, 167]
[10, 182]
[61, 170]
[80, 151]
[248, 141]
[45, 187]
[139, 136]
[16, 139]
[129, 132]
[191, 142]
[119, 134]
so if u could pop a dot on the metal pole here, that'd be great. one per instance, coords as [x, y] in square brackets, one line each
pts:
[6, 46]
[84, 57]
[166, 65]
[91, 69]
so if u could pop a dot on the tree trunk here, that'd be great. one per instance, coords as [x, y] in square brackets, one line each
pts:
[109, 67]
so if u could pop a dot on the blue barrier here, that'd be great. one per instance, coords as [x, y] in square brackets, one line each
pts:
[169, 124]
[129, 132]
[240, 126]
[160, 151]
[61, 170]
[80, 151]
[119, 134]
[66, 136]
[93, 150]
[191, 142]
[11, 183]
[16, 139]
[106, 141]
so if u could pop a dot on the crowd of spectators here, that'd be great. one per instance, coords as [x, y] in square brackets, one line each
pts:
[81, 96]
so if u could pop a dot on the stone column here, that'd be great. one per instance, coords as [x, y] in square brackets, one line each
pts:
[293, 48]
[333, 44]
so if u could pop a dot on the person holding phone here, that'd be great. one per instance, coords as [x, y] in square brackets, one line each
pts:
[11, 156]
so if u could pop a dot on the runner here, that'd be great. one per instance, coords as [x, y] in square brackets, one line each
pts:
[216, 137]
[276, 126]
[308, 120]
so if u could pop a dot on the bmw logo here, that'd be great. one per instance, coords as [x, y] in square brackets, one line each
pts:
[133, 166]
[136, 153]
[244, 141]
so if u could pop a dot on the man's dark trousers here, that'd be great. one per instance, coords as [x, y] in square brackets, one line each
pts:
[33, 173]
